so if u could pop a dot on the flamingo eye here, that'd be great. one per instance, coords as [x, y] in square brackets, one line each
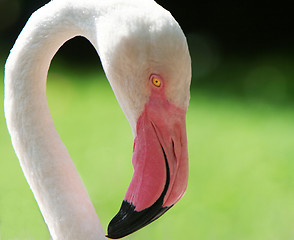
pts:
[156, 81]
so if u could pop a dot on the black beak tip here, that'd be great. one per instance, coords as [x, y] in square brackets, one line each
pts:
[128, 220]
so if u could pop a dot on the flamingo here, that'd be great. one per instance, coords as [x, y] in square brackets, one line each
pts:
[145, 58]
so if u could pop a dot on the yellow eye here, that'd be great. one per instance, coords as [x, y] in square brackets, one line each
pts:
[156, 81]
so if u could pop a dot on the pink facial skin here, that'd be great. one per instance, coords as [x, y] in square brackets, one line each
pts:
[161, 126]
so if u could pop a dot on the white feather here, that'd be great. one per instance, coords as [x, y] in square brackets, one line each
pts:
[134, 38]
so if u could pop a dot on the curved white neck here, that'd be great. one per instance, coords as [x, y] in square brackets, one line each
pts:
[45, 161]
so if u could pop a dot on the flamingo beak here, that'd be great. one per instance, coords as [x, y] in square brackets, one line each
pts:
[160, 160]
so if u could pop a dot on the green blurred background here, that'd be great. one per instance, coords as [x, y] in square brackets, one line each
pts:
[239, 123]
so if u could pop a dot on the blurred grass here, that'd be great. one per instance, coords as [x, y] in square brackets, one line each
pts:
[241, 164]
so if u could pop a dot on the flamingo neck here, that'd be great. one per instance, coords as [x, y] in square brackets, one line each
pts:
[46, 163]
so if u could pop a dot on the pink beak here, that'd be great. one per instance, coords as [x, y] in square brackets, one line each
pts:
[160, 160]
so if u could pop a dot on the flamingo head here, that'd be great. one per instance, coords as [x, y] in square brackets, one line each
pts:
[149, 68]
